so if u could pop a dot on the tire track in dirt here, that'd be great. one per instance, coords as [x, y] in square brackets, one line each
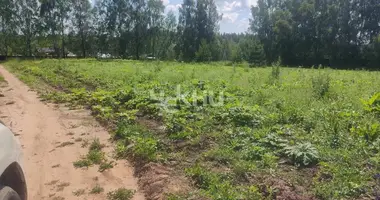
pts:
[40, 128]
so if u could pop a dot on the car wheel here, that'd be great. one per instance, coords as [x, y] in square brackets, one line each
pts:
[7, 193]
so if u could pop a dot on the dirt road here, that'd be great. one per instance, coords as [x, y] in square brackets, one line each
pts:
[41, 128]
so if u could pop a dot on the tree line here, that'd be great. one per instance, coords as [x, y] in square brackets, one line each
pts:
[118, 28]
[293, 32]
[312, 32]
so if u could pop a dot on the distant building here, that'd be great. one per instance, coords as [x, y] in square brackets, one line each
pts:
[70, 55]
[46, 51]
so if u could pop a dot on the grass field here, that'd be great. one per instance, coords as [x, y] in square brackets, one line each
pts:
[234, 132]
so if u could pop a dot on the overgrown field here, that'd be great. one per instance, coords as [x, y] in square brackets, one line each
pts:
[234, 132]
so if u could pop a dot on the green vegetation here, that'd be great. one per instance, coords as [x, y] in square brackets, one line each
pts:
[97, 189]
[276, 131]
[337, 33]
[120, 194]
[95, 156]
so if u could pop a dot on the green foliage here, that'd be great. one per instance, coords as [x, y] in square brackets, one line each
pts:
[120, 194]
[372, 104]
[369, 131]
[97, 189]
[246, 138]
[204, 52]
[95, 145]
[237, 55]
[321, 85]
[302, 155]
[82, 163]
[136, 142]
[106, 165]
[144, 147]
[276, 72]
[215, 187]
[95, 156]
[284, 29]
[200, 176]
[242, 116]
[252, 51]
[274, 77]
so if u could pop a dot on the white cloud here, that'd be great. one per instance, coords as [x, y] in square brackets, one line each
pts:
[230, 17]
[236, 14]
[172, 7]
[251, 2]
[243, 23]
[227, 7]
[165, 2]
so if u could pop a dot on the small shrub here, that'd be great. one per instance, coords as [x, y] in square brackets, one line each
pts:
[106, 165]
[370, 131]
[252, 152]
[242, 169]
[96, 157]
[82, 163]
[321, 85]
[85, 143]
[372, 104]
[97, 189]
[241, 116]
[96, 145]
[201, 177]
[144, 147]
[276, 71]
[302, 154]
[121, 194]
[269, 160]
[223, 155]
[125, 130]
[121, 149]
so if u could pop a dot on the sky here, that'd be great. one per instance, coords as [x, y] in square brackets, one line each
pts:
[236, 13]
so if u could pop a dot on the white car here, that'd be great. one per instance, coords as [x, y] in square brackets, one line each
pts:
[12, 180]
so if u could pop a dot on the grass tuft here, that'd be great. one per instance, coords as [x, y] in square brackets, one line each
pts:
[121, 194]
[97, 189]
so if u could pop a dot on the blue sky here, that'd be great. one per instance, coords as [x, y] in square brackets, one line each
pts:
[236, 13]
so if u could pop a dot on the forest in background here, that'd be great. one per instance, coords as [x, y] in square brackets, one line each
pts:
[336, 33]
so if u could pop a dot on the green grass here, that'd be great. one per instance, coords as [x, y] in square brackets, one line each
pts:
[317, 129]
[95, 156]
[120, 194]
[97, 189]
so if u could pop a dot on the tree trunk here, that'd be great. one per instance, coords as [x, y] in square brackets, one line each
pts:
[83, 44]
[137, 38]
[63, 38]
[29, 46]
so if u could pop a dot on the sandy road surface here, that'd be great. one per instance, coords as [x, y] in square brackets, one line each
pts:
[41, 128]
